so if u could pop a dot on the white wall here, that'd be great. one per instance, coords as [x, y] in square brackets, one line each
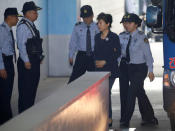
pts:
[114, 7]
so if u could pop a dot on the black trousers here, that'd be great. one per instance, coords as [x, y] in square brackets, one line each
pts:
[137, 75]
[28, 81]
[124, 86]
[82, 64]
[111, 82]
[6, 87]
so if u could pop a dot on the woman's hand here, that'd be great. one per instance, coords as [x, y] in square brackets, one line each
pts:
[3, 74]
[28, 65]
[100, 63]
[151, 76]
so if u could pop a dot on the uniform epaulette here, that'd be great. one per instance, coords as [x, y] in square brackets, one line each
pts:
[141, 32]
[21, 22]
[78, 23]
[3, 25]
[122, 32]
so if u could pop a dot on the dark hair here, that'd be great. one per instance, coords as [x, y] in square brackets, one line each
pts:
[107, 18]
[5, 17]
[139, 23]
[24, 13]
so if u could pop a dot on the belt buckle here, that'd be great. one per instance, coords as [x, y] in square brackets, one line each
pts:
[89, 53]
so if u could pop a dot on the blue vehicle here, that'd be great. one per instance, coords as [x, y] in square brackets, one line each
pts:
[154, 20]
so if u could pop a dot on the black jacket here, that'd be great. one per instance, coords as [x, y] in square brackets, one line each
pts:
[109, 50]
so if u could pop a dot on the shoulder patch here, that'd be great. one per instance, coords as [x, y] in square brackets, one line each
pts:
[146, 40]
[78, 23]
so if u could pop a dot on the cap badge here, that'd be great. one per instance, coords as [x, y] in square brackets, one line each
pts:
[85, 11]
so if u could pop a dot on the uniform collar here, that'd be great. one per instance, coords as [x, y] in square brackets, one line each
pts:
[134, 33]
[28, 20]
[87, 25]
[6, 25]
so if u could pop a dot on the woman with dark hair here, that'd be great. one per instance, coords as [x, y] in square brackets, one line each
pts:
[106, 52]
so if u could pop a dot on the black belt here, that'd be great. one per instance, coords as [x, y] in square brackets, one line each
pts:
[124, 60]
[85, 53]
[7, 57]
[142, 64]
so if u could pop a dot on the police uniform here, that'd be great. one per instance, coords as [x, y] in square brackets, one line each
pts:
[28, 79]
[140, 61]
[124, 76]
[109, 50]
[7, 51]
[79, 43]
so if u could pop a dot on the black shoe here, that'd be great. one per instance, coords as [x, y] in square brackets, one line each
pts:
[153, 122]
[110, 123]
[124, 124]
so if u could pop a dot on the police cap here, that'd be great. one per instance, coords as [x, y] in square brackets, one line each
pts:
[86, 11]
[131, 18]
[123, 18]
[11, 11]
[30, 6]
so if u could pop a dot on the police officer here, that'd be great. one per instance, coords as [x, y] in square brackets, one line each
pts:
[82, 42]
[30, 50]
[124, 76]
[106, 52]
[140, 62]
[7, 51]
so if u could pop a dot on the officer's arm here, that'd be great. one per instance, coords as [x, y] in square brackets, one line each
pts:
[1, 45]
[120, 40]
[96, 48]
[117, 48]
[148, 55]
[22, 36]
[73, 43]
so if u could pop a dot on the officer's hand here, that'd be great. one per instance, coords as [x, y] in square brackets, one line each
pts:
[3, 74]
[151, 76]
[71, 61]
[100, 63]
[28, 65]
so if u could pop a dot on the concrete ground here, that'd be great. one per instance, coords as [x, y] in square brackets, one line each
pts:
[153, 89]
[154, 92]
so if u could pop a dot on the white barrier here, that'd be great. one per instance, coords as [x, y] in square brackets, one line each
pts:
[79, 106]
